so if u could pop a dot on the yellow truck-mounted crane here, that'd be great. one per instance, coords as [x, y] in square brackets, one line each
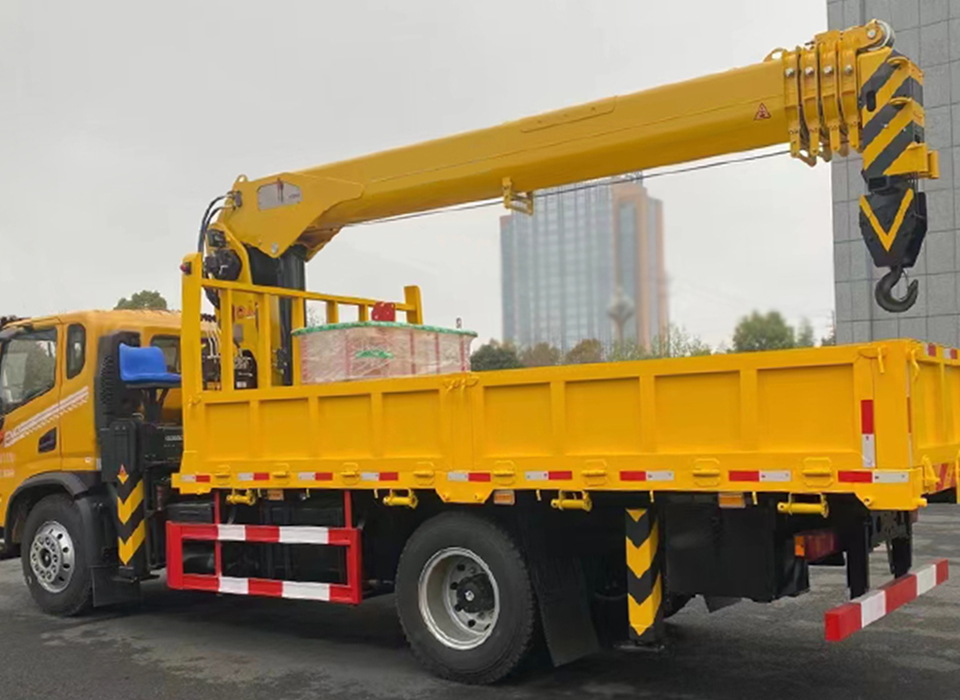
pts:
[589, 501]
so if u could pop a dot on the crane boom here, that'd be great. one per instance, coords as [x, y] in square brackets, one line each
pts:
[843, 92]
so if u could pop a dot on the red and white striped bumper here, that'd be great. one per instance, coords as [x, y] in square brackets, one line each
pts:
[296, 590]
[844, 620]
[347, 537]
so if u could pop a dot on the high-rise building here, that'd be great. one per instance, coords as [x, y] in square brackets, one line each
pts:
[928, 31]
[588, 255]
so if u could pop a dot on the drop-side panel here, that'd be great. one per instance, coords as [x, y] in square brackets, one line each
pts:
[804, 408]
[864, 419]
[934, 406]
[698, 412]
[603, 416]
[412, 425]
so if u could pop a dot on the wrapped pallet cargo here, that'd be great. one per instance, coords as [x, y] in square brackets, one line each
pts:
[374, 349]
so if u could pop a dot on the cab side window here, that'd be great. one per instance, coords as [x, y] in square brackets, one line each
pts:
[76, 349]
[28, 367]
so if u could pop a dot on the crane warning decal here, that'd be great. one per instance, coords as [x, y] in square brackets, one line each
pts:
[762, 113]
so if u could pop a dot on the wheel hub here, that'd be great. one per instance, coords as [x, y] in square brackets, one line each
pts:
[475, 594]
[459, 599]
[52, 557]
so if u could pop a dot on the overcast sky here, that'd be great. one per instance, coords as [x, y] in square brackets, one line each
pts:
[120, 120]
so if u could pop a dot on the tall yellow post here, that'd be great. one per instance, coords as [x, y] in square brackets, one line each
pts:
[644, 576]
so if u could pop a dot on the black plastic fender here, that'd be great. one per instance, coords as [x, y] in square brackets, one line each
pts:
[74, 483]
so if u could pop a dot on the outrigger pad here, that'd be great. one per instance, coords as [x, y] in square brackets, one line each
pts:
[145, 366]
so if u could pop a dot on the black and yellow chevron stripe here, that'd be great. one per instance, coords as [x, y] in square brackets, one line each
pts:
[891, 103]
[644, 576]
[883, 216]
[131, 529]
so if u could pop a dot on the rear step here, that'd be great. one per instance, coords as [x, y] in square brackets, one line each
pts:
[844, 620]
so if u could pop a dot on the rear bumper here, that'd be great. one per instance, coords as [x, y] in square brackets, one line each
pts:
[846, 619]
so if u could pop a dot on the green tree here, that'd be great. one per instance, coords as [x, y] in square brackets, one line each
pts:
[805, 337]
[628, 351]
[540, 355]
[585, 352]
[144, 299]
[763, 332]
[676, 342]
[493, 356]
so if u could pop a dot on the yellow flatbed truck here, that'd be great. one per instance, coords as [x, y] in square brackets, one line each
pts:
[587, 503]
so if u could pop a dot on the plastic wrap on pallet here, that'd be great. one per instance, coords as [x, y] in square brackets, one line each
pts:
[375, 349]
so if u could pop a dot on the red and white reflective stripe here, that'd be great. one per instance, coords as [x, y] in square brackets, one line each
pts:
[299, 590]
[647, 476]
[315, 476]
[931, 350]
[868, 437]
[873, 477]
[481, 477]
[270, 588]
[953, 353]
[548, 476]
[379, 476]
[762, 476]
[195, 478]
[844, 620]
[253, 476]
[278, 534]
[264, 534]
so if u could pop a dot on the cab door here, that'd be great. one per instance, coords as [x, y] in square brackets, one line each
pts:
[78, 434]
[30, 379]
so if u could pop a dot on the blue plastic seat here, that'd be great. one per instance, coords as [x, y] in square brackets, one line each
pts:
[145, 367]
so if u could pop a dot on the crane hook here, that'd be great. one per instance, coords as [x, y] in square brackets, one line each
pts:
[884, 292]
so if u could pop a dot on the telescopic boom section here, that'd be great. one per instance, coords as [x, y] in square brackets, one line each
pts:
[845, 91]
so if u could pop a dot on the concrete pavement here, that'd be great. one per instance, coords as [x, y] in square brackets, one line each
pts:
[192, 646]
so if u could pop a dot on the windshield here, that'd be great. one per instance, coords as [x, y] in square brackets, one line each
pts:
[28, 367]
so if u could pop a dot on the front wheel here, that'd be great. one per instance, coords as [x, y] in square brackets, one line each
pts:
[465, 599]
[53, 557]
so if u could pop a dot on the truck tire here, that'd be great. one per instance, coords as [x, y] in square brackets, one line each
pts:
[55, 564]
[465, 599]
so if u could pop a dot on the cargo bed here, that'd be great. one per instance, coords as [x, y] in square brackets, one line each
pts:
[878, 420]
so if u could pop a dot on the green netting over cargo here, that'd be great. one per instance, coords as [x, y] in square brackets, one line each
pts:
[383, 324]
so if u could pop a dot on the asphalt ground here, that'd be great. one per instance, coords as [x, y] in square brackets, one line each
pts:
[193, 646]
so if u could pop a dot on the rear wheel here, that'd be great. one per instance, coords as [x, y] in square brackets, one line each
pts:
[53, 557]
[465, 599]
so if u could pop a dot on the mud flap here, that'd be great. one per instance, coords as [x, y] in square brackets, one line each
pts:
[110, 589]
[563, 598]
[101, 541]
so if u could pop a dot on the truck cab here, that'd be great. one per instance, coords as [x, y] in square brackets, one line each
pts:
[52, 398]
